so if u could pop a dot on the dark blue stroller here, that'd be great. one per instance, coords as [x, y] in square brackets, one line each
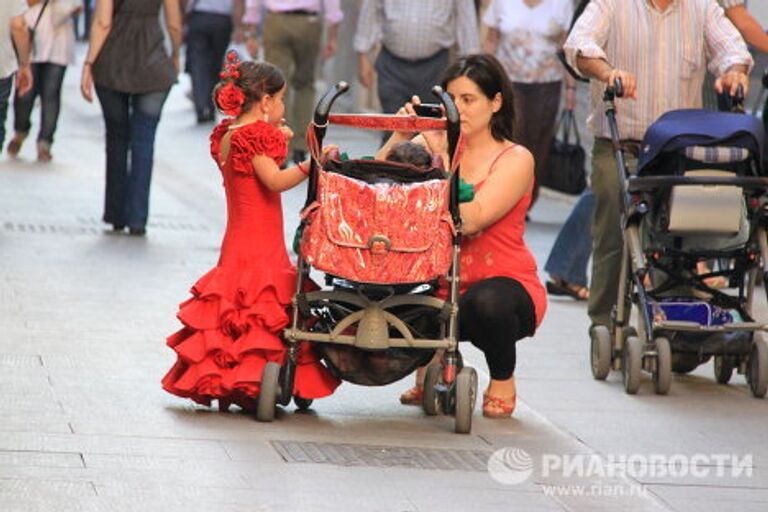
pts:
[698, 195]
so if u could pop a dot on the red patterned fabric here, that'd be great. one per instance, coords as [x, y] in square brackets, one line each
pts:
[233, 323]
[388, 122]
[379, 233]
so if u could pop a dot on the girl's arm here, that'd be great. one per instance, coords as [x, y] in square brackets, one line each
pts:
[100, 29]
[509, 180]
[278, 180]
[173, 22]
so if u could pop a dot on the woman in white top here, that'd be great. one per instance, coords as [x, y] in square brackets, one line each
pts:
[53, 51]
[525, 36]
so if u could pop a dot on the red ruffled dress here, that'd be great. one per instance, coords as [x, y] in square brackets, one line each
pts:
[234, 320]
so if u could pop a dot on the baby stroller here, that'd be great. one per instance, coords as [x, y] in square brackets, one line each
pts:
[384, 234]
[698, 194]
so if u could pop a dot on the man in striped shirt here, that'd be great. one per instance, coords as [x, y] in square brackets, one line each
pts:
[660, 50]
[415, 38]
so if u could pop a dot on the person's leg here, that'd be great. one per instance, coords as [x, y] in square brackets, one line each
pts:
[22, 111]
[219, 34]
[570, 254]
[306, 49]
[199, 62]
[494, 314]
[145, 115]
[278, 51]
[6, 86]
[114, 107]
[50, 106]
[606, 232]
[541, 123]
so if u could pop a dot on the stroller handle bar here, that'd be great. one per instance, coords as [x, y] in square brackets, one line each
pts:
[451, 124]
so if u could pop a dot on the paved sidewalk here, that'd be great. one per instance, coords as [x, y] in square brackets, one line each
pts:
[84, 425]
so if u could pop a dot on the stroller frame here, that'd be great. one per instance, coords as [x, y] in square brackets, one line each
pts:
[647, 347]
[449, 386]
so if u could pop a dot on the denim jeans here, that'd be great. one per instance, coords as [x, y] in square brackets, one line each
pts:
[47, 84]
[207, 40]
[569, 257]
[131, 122]
[6, 85]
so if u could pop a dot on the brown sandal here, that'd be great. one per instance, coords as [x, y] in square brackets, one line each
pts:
[557, 286]
[412, 396]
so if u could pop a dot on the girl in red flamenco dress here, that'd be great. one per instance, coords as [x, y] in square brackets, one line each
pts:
[234, 320]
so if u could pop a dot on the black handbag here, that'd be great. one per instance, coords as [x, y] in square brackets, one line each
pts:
[565, 165]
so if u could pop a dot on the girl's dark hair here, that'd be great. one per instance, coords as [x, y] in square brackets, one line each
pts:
[489, 75]
[257, 79]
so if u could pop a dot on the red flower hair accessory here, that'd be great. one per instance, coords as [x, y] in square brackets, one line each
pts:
[229, 97]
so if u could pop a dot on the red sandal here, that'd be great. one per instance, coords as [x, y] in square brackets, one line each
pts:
[412, 396]
[496, 407]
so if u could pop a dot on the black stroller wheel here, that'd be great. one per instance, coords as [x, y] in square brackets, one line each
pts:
[662, 376]
[632, 364]
[431, 398]
[600, 352]
[466, 396]
[723, 369]
[758, 366]
[270, 389]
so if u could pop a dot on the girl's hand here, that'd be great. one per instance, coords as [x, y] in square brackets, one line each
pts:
[328, 149]
[286, 131]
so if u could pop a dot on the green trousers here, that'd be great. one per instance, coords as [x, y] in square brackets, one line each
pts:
[292, 43]
[606, 231]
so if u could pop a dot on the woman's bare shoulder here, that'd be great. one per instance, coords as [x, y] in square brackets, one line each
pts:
[514, 157]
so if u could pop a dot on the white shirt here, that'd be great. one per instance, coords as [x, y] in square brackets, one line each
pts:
[55, 34]
[8, 62]
[212, 6]
[529, 37]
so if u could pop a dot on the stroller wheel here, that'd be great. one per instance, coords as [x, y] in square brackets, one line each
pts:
[431, 398]
[632, 364]
[758, 366]
[466, 395]
[662, 376]
[600, 352]
[723, 369]
[270, 388]
[302, 404]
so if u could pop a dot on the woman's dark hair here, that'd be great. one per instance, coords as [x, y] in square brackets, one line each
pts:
[489, 75]
[256, 80]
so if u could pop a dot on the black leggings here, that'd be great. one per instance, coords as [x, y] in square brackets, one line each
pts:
[493, 314]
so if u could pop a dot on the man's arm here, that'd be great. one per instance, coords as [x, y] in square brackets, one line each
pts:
[748, 26]
[367, 34]
[333, 16]
[174, 22]
[21, 39]
[730, 60]
[251, 20]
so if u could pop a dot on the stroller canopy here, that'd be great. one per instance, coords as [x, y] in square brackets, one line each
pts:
[679, 129]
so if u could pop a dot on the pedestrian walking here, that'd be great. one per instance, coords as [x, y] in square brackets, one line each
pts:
[234, 320]
[13, 33]
[53, 50]
[525, 36]
[132, 72]
[618, 40]
[210, 25]
[292, 35]
[416, 39]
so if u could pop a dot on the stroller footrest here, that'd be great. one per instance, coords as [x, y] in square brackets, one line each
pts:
[347, 339]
